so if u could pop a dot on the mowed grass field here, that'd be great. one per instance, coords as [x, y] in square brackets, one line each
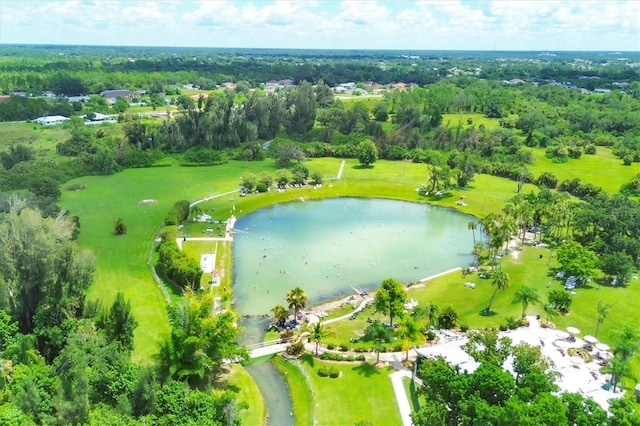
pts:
[363, 393]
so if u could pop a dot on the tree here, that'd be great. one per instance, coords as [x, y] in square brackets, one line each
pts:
[45, 274]
[17, 154]
[526, 295]
[472, 226]
[199, 342]
[119, 323]
[603, 310]
[583, 411]
[618, 368]
[297, 299]
[576, 260]
[300, 107]
[378, 333]
[324, 94]
[367, 153]
[626, 342]
[487, 346]
[501, 282]
[380, 112]
[390, 298]
[550, 310]
[561, 300]
[280, 312]
[409, 332]
[617, 265]
[432, 314]
[248, 181]
[318, 332]
[119, 227]
[448, 318]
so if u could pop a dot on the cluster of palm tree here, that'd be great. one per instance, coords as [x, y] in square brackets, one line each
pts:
[296, 299]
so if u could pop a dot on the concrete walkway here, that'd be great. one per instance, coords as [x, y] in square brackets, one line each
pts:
[341, 169]
[355, 311]
[401, 395]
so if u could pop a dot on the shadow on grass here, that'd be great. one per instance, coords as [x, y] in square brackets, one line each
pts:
[308, 359]
[362, 167]
[366, 369]
[485, 313]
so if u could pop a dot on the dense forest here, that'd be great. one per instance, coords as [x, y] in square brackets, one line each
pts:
[67, 361]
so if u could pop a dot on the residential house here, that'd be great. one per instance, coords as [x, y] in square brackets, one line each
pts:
[51, 120]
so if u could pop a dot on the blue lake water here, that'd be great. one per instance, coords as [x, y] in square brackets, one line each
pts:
[328, 247]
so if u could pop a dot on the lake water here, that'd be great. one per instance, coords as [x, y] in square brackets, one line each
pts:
[329, 247]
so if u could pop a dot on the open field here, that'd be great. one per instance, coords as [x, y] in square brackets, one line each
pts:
[478, 119]
[345, 401]
[603, 169]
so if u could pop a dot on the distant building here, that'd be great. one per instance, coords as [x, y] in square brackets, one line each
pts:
[128, 95]
[51, 120]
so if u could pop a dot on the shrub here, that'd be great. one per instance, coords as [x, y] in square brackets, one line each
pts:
[331, 346]
[431, 335]
[261, 187]
[464, 327]
[590, 149]
[295, 348]
[360, 358]
[119, 228]
[503, 327]
[344, 348]
[627, 160]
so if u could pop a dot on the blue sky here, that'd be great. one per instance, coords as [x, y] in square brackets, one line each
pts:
[424, 25]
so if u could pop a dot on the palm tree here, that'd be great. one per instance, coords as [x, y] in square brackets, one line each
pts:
[378, 333]
[280, 312]
[297, 299]
[318, 332]
[501, 281]
[409, 332]
[618, 368]
[550, 311]
[472, 226]
[432, 314]
[526, 295]
[603, 311]
[626, 342]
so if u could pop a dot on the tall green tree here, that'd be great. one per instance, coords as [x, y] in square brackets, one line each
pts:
[280, 312]
[367, 153]
[119, 323]
[378, 333]
[297, 299]
[199, 341]
[390, 298]
[318, 332]
[526, 296]
[44, 274]
[603, 310]
[501, 282]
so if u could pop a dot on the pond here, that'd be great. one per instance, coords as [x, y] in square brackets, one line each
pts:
[331, 247]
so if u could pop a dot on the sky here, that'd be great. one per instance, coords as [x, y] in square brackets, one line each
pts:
[608, 25]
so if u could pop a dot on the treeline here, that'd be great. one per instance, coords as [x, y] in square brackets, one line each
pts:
[85, 70]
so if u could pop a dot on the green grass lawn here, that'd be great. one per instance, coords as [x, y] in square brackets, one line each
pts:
[363, 394]
[603, 169]
[477, 119]
[241, 384]
[302, 399]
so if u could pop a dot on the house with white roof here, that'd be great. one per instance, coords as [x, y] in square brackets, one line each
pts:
[51, 120]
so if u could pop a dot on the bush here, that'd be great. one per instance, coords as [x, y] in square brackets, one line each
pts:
[331, 346]
[627, 160]
[431, 335]
[344, 348]
[328, 371]
[503, 327]
[464, 327]
[295, 349]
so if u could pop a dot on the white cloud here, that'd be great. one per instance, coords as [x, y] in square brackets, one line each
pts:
[451, 24]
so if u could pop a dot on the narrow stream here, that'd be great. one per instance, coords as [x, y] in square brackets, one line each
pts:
[275, 392]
